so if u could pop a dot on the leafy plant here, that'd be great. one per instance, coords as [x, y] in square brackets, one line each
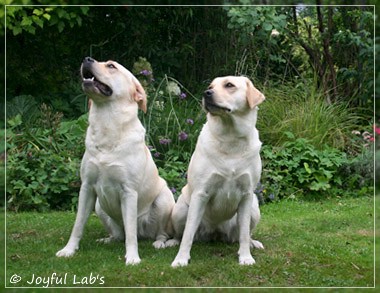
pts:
[174, 169]
[41, 180]
[30, 18]
[298, 168]
[358, 173]
[174, 116]
[43, 161]
[261, 30]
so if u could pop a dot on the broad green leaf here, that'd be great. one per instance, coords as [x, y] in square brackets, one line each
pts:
[267, 26]
[47, 16]
[307, 168]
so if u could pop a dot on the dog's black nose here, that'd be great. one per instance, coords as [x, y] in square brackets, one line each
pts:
[208, 93]
[89, 60]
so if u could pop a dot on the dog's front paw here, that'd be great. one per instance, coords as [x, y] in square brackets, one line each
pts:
[132, 259]
[66, 252]
[246, 260]
[256, 244]
[180, 262]
[158, 244]
[172, 243]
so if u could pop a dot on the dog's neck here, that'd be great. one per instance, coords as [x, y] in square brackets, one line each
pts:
[109, 125]
[230, 128]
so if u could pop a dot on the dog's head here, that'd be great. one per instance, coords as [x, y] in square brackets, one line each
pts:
[109, 80]
[231, 94]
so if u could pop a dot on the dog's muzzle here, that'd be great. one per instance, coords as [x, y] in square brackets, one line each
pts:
[210, 105]
[90, 82]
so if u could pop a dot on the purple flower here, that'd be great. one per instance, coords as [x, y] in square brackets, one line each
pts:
[145, 72]
[182, 96]
[156, 155]
[271, 196]
[173, 190]
[259, 188]
[165, 141]
[182, 136]
[190, 121]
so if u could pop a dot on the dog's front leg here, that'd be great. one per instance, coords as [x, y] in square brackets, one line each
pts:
[129, 212]
[244, 217]
[86, 205]
[197, 208]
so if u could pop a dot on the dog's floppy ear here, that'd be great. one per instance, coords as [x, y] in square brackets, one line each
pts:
[139, 95]
[254, 96]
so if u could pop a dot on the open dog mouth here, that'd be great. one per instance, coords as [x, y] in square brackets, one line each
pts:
[214, 108]
[90, 81]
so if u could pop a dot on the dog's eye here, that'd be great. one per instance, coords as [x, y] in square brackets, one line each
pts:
[228, 84]
[110, 65]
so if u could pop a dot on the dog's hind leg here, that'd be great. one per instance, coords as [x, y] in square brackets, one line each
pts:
[115, 231]
[161, 212]
[255, 218]
[178, 221]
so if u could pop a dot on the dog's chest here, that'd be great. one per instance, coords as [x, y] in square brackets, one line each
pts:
[109, 172]
[226, 192]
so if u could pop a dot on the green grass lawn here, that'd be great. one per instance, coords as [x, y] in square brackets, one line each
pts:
[307, 244]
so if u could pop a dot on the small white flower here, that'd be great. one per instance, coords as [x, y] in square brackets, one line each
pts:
[173, 88]
[274, 33]
[159, 105]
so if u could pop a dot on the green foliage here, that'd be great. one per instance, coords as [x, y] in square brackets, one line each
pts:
[172, 123]
[173, 169]
[261, 20]
[299, 169]
[41, 180]
[30, 18]
[288, 42]
[43, 161]
[303, 111]
[174, 115]
[26, 107]
[280, 43]
[261, 29]
[358, 174]
[174, 118]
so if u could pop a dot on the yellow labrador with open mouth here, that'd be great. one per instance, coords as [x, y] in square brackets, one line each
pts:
[118, 173]
[218, 200]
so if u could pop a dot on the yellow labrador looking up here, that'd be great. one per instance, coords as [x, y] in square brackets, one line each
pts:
[218, 200]
[117, 171]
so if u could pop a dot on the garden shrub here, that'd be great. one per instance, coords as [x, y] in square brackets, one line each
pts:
[298, 168]
[42, 180]
[174, 170]
[358, 174]
[43, 161]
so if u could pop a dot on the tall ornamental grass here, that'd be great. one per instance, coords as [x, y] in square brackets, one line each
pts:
[304, 112]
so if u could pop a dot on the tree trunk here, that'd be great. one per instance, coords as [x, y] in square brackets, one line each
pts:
[326, 36]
